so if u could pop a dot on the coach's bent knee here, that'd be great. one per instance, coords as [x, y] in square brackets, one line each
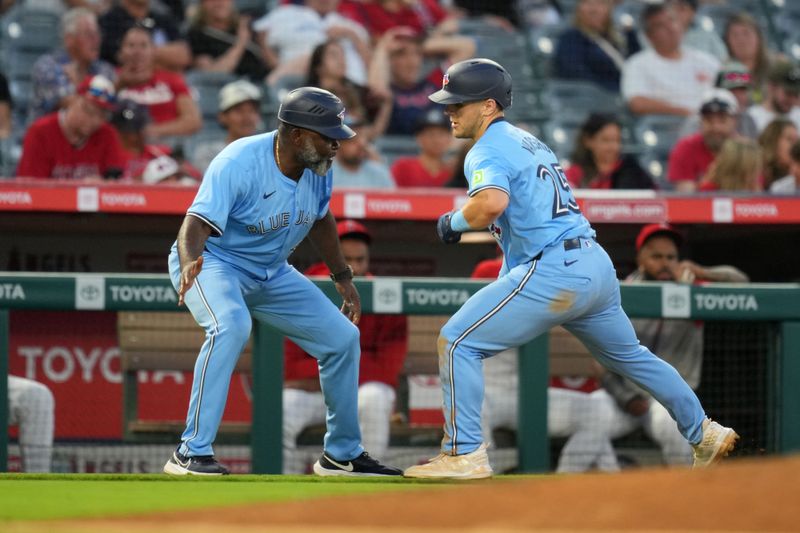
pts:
[345, 339]
[236, 325]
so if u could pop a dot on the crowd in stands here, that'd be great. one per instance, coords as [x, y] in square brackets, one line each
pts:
[188, 77]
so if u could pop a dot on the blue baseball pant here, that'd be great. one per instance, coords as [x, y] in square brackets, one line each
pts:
[575, 288]
[222, 300]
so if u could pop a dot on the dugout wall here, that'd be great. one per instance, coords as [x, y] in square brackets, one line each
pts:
[762, 315]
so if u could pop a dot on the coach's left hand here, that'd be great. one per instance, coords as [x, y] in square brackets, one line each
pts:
[351, 305]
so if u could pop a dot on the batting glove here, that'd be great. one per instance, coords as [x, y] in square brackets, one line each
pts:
[446, 233]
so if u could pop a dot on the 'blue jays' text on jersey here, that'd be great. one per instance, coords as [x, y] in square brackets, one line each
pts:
[542, 209]
[258, 215]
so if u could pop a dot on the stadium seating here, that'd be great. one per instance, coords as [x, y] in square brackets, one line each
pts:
[207, 86]
[393, 147]
[543, 46]
[658, 132]
[626, 15]
[578, 97]
[25, 35]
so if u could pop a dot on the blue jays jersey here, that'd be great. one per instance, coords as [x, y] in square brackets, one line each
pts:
[257, 215]
[542, 209]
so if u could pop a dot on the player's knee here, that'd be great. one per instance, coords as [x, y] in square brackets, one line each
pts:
[38, 397]
[236, 325]
[346, 339]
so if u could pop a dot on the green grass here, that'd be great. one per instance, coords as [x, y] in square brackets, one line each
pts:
[32, 496]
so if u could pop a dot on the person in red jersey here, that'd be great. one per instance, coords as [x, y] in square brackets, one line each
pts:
[76, 142]
[432, 168]
[165, 93]
[384, 344]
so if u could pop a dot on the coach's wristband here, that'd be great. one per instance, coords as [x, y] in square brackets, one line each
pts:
[458, 222]
[343, 275]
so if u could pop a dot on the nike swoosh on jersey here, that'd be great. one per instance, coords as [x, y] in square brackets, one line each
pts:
[268, 195]
[568, 263]
[347, 468]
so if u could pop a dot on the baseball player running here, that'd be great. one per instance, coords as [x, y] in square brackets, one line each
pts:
[554, 273]
[260, 197]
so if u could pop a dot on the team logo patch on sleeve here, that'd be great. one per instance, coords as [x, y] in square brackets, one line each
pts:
[477, 177]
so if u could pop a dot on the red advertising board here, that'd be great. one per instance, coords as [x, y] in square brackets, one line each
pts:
[76, 355]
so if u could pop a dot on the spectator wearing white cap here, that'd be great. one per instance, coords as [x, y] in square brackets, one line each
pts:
[239, 106]
[76, 142]
[164, 170]
[734, 77]
[692, 155]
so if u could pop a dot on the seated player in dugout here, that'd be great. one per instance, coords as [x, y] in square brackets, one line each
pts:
[621, 406]
[384, 344]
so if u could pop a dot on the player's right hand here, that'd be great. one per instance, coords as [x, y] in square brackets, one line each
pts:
[445, 232]
[188, 274]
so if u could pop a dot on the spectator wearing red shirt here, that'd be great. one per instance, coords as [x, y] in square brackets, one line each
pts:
[692, 155]
[384, 344]
[165, 93]
[379, 16]
[75, 142]
[598, 161]
[431, 168]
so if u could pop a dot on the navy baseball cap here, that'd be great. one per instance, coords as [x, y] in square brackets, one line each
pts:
[130, 116]
[317, 110]
[434, 118]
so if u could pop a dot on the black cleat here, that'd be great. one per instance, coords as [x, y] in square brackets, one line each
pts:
[363, 465]
[201, 465]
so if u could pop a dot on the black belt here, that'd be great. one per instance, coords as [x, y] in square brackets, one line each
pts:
[572, 244]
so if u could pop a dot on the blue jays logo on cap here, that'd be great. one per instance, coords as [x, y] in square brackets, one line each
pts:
[340, 114]
[445, 80]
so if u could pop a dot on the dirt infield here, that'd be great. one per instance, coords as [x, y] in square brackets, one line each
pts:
[743, 495]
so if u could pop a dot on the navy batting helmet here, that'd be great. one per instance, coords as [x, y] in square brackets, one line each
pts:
[317, 110]
[475, 79]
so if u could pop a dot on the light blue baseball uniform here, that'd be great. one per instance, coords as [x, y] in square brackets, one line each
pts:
[554, 273]
[258, 216]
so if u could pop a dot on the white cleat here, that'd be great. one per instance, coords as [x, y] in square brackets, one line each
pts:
[473, 465]
[718, 441]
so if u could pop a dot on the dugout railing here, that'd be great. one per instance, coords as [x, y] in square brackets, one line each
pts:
[774, 303]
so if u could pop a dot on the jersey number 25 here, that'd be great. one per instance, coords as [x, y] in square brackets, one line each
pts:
[560, 184]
